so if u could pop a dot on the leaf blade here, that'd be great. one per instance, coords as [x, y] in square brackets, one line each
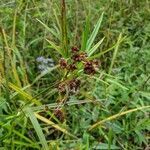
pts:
[53, 124]
[94, 33]
[117, 115]
[37, 128]
[95, 47]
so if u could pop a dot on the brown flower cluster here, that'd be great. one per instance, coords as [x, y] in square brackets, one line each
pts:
[89, 67]
[59, 114]
[76, 57]
[70, 86]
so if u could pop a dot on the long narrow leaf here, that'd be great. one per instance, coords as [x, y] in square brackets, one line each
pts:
[54, 125]
[115, 53]
[45, 73]
[54, 46]
[85, 34]
[24, 94]
[117, 115]
[116, 83]
[94, 33]
[49, 29]
[55, 105]
[93, 49]
[37, 128]
[20, 143]
[23, 137]
[107, 50]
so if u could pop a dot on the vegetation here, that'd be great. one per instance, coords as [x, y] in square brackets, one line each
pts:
[74, 74]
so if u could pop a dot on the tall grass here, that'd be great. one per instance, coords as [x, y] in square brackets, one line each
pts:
[108, 106]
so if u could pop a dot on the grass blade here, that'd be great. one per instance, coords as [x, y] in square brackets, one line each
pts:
[117, 115]
[55, 105]
[48, 29]
[24, 94]
[57, 48]
[53, 124]
[20, 143]
[95, 47]
[106, 51]
[23, 137]
[44, 73]
[94, 33]
[37, 128]
[115, 53]
[117, 83]
[85, 35]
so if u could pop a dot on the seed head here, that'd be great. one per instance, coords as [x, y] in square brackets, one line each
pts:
[76, 57]
[89, 68]
[72, 67]
[59, 114]
[83, 56]
[74, 85]
[63, 63]
[74, 49]
[79, 57]
[95, 62]
[62, 88]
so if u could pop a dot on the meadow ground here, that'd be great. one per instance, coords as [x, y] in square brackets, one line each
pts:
[74, 74]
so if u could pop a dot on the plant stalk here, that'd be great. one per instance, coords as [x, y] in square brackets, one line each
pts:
[64, 29]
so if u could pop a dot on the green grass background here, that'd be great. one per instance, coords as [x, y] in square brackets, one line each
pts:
[121, 84]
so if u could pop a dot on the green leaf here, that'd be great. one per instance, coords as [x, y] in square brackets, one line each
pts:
[105, 146]
[24, 94]
[85, 35]
[49, 29]
[23, 137]
[117, 115]
[117, 83]
[54, 46]
[94, 33]
[141, 137]
[107, 50]
[115, 53]
[145, 94]
[37, 128]
[44, 73]
[3, 105]
[49, 122]
[95, 47]
[21, 144]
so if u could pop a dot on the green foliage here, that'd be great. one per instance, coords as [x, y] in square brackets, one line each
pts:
[111, 108]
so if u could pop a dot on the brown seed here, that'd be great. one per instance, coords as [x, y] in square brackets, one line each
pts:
[74, 49]
[46, 108]
[83, 55]
[74, 84]
[59, 114]
[76, 57]
[62, 88]
[89, 68]
[96, 64]
[63, 63]
[72, 67]
[79, 57]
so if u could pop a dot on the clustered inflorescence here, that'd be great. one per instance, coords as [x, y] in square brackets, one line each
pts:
[77, 57]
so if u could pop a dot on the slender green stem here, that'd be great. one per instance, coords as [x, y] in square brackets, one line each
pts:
[64, 29]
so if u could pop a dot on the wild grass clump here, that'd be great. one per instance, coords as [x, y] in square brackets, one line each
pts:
[74, 74]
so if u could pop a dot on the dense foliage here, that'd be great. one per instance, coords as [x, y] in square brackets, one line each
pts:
[74, 74]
